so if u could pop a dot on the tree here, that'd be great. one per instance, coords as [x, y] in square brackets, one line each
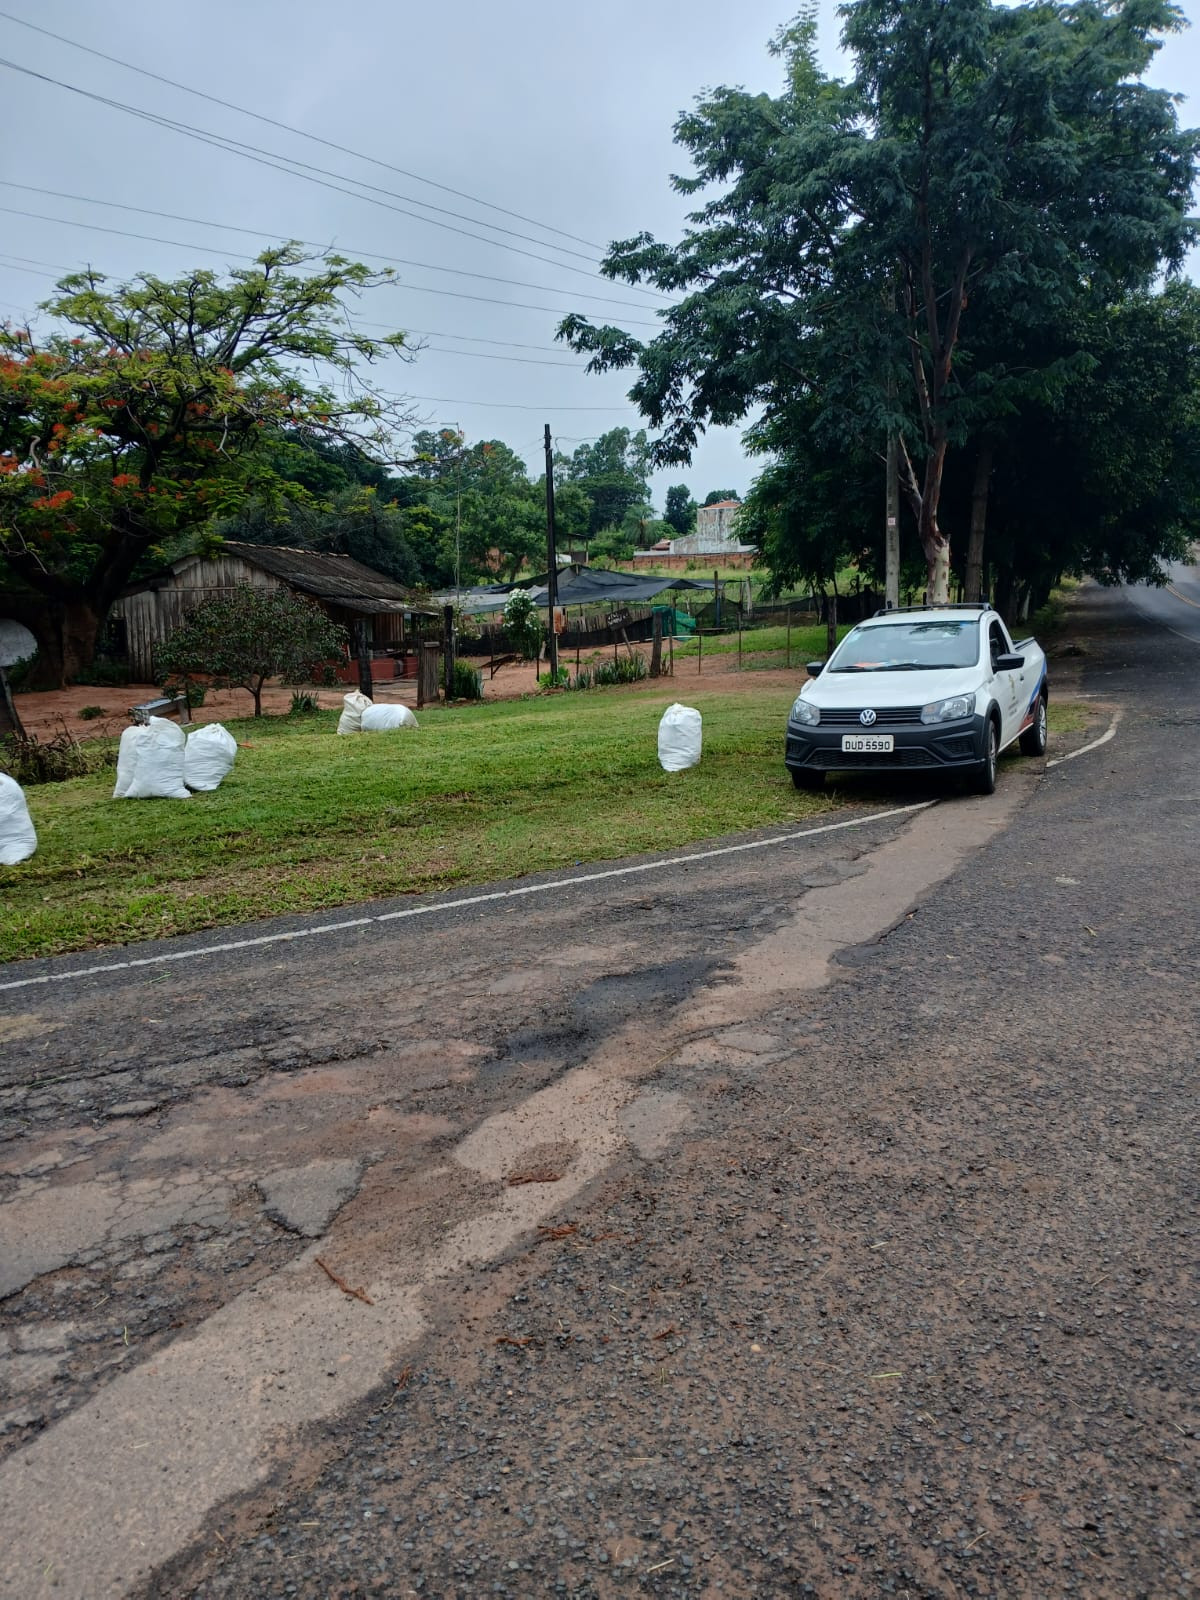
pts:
[982, 156]
[149, 420]
[572, 514]
[249, 635]
[680, 510]
[715, 496]
[483, 494]
[612, 472]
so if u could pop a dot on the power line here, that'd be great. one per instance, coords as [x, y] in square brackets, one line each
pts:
[208, 249]
[501, 405]
[233, 227]
[304, 170]
[329, 144]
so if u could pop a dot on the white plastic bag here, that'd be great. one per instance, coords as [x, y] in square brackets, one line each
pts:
[350, 720]
[157, 762]
[382, 719]
[18, 838]
[208, 756]
[679, 738]
[127, 756]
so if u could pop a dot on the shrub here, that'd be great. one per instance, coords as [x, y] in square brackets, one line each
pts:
[20, 673]
[467, 683]
[523, 625]
[90, 713]
[560, 678]
[248, 635]
[303, 705]
[625, 669]
[31, 760]
[104, 675]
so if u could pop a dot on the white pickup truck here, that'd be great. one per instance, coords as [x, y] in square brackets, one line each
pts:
[939, 688]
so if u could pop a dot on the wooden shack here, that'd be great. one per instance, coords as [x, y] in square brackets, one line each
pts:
[350, 592]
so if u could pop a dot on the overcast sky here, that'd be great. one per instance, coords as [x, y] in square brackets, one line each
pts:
[561, 115]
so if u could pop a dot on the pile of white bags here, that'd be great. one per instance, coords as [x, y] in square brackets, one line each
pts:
[679, 738]
[382, 719]
[18, 838]
[350, 720]
[160, 762]
[208, 756]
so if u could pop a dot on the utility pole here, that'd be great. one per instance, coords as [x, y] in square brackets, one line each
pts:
[552, 552]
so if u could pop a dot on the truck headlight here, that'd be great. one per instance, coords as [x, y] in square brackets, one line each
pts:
[952, 710]
[805, 712]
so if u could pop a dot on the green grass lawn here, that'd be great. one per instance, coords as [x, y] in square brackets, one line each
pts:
[308, 820]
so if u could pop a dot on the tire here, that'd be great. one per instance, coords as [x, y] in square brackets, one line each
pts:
[807, 779]
[1033, 740]
[985, 774]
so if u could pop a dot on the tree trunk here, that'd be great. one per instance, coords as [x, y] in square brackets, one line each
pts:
[973, 584]
[891, 557]
[256, 690]
[66, 632]
[10, 722]
[831, 609]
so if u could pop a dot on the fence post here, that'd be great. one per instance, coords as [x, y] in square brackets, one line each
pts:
[789, 633]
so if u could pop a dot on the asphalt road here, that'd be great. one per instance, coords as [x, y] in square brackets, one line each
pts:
[816, 1219]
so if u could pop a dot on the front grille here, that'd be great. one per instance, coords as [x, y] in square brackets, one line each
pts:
[885, 716]
[852, 760]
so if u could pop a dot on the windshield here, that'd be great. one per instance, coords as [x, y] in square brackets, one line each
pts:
[915, 646]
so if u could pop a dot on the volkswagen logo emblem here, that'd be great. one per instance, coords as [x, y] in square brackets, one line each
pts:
[867, 718]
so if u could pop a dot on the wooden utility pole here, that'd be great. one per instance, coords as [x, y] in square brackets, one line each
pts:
[552, 553]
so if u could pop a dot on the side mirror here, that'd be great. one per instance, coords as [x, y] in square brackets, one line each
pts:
[1009, 663]
[814, 668]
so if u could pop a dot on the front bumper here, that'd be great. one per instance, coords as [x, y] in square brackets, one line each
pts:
[942, 746]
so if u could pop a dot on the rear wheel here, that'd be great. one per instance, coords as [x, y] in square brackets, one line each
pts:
[1033, 740]
[807, 778]
[985, 773]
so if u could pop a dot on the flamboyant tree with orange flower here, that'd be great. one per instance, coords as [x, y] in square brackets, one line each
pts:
[140, 416]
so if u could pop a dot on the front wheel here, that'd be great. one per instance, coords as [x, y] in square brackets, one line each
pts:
[985, 774]
[1033, 740]
[806, 778]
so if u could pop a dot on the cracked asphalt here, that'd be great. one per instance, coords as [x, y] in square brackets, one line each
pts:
[811, 1221]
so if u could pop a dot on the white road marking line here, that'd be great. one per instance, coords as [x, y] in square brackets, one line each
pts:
[1095, 744]
[428, 908]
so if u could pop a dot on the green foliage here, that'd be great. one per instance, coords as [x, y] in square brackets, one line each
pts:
[90, 713]
[31, 760]
[560, 678]
[487, 509]
[611, 544]
[467, 683]
[631, 668]
[303, 704]
[613, 472]
[680, 512]
[146, 416]
[103, 674]
[22, 675]
[249, 635]
[523, 624]
[857, 244]
[716, 496]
